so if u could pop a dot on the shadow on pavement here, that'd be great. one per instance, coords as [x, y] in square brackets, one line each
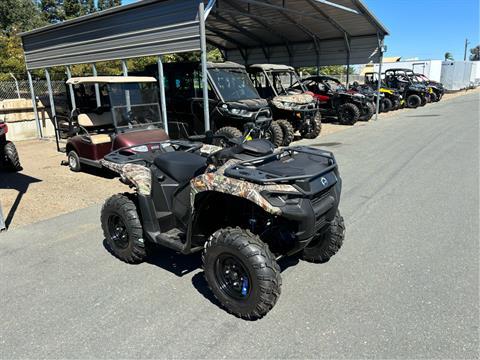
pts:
[328, 144]
[19, 182]
[174, 262]
[426, 115]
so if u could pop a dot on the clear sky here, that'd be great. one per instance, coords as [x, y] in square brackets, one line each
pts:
[426, 29]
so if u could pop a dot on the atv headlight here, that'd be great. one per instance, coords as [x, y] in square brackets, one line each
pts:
[140, 148]
[280, 199]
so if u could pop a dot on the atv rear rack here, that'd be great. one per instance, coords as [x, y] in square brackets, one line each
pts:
[247, 170]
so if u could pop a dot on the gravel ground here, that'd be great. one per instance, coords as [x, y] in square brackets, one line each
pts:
[44, 189]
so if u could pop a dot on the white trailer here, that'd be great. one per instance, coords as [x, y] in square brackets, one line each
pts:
[456, 75]
[475, 76]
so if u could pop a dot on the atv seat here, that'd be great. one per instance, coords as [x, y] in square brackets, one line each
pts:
[181, 166]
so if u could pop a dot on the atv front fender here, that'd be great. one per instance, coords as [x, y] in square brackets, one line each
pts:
[216, 181]
[136, 175]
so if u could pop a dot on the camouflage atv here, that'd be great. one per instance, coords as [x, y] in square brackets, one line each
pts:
[244, 207]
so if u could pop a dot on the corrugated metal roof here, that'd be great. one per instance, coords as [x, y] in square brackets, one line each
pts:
[294, 32]
[145, 28]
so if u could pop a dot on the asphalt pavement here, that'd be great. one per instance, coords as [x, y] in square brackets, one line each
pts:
[404, 285]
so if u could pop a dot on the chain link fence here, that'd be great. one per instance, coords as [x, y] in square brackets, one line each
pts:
[21, 90]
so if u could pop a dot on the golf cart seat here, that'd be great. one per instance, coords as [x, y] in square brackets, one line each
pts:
[94, 120]
[181, 166]
[100, 139]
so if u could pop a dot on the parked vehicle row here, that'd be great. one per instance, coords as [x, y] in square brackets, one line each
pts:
[238, 193]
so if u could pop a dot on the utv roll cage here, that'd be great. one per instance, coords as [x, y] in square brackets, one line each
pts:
[273, 79]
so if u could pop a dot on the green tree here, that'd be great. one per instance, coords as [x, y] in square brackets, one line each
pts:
[88, 6]
[327, 70]
[475, 53]
[449, 56]
[72, 9]
[19, 15]
[106, 4]
[11, 56]
[52, 11]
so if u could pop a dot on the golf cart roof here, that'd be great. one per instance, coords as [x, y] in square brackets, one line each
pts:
[224, 65]
[269, 67]
[110, 79]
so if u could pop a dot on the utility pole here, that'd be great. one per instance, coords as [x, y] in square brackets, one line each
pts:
[465, 53]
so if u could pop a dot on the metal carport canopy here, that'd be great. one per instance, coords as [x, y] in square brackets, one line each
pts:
[294, 32]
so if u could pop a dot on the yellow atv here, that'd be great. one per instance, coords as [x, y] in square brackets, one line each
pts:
[392, 99]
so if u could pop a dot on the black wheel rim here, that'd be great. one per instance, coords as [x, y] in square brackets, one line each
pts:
[118, 231]
[346, 115]
[232, 277]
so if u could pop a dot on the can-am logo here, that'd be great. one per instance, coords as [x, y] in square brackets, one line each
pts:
[324, 181]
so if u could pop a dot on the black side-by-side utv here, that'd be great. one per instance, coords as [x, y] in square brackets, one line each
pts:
[243, 206]
[236, 108]
[415, 93]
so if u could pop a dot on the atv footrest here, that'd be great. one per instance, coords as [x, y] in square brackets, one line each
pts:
[172, 239]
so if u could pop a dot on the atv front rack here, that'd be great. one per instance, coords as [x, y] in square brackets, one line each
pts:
[255, 172]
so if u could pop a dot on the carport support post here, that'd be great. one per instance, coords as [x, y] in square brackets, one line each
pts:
[380, 49]
[127, 92]
[34, 105]
[347, 45]
[203, 48]
[52, 107]
[97, 87]
[70, 88]
[161, 84]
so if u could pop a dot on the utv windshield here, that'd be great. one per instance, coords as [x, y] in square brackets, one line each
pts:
[233, 84]
[286, 82]
[134, 105]
[334, 84]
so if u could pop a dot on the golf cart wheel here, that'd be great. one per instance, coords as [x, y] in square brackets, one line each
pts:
[387, 105]
[314, 129]
[123, 230]
[74, 161]
[413, 101]
[11, 157]
[229, 132]
[241, 272]
[348, 114]
[274, 134]
[287, 130]
[327, 244]
[370, 110]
